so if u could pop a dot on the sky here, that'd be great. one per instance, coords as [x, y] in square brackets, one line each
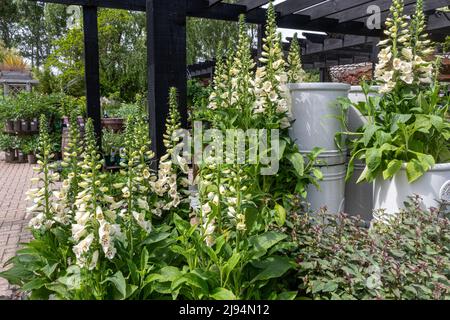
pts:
[289, 33]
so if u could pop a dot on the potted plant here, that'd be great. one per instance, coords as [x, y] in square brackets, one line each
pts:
[114, 124]
[6, 144]
[111, 144]
[29, 147]
[405, 144]
[56, 139]
[112, 119]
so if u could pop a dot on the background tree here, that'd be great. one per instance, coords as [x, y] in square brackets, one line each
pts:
[122, 46]
[8, 22]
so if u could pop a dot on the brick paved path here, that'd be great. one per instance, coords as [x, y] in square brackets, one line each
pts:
[14, 182]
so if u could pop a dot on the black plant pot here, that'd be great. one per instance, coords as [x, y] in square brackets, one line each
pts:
[21, 157]
[32, 159]
[17, 125]
[57, 156]
[9, 127]
[109, 162]
[10, 156]
[34, 125]
[117, 159]
[25, 126]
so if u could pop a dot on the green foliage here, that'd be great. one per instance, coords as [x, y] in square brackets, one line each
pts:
[28, 145]
[339, 258]
[251, 270]
[31, 105]
[413, 131]
[111, 142]
[31, 27]
[116, 109]
[121, 39]
[8, 142]
[204, 34]
[197, 94]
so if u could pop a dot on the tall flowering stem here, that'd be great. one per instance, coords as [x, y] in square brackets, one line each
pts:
[66, 196]
[94, 230]
[220, 97]
[135, 191]
[404, 55]
[42, 208]
[242, 74]
[271, 89]
[170, 173]
[294, 62]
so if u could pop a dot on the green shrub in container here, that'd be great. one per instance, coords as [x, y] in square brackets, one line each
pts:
[7, 145]
[29, 147]
[405, 144]
[111, 144]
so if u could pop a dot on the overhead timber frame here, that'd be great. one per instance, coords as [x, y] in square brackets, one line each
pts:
[166, 39]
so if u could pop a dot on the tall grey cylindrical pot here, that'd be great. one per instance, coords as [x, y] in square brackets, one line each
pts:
[317, 119]
[358, 197]
[332, 190]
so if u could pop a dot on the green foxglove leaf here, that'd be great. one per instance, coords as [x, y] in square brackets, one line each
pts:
[261, 243]
[297, 162]
[231, 264]
[287, 296]
[274, 267]
[369, 131]
[399, 119]
[156, 237]
[317, 173]
[373, 158]
[280, 217]
[393, 167]
[34, 284]
[119, 283]
[222, 294]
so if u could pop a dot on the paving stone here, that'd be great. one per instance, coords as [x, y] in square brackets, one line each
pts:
[14, 182]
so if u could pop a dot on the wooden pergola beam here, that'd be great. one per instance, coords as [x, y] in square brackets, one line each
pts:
[359, 12]
[331, 7]
[252, 4]
[133, 5]
[292, 6]
[213, 2]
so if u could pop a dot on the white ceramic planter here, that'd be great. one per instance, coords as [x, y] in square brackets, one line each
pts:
[332, 190]
[433, 186]
[359, 197]
[316, 114]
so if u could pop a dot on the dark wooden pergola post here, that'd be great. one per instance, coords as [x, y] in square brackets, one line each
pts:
[374, 57]
[91, 65]
[261, 33]
[166, 59]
